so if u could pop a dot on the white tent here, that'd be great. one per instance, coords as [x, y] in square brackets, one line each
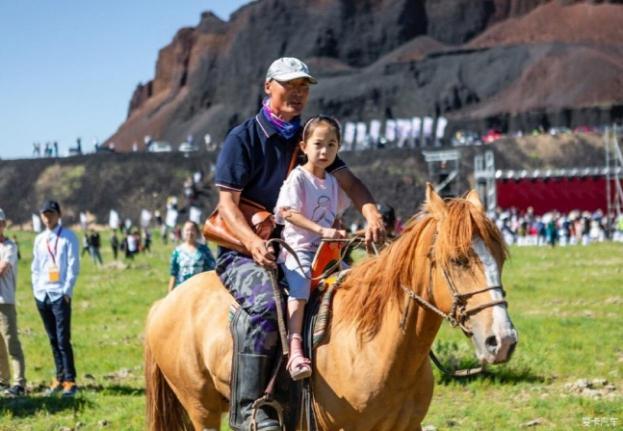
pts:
[349, 136]
[375, 130]
[442, 122]
[361, 134]
[390, 130]
[404, 131]
[416, 126]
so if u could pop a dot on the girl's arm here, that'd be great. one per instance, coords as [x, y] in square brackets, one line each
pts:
[303, 222]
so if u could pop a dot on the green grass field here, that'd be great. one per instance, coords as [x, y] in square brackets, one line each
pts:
[566, 304]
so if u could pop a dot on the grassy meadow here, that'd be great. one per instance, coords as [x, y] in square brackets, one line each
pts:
[566, 304]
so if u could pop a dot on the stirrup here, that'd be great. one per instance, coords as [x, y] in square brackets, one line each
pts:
[302, 370]
[266, 400]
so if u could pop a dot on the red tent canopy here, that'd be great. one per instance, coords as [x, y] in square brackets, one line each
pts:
[555, 193]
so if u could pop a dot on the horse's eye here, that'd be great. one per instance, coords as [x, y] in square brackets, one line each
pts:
[461, 261]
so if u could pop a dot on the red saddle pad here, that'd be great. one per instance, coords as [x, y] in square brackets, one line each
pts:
[327, 255]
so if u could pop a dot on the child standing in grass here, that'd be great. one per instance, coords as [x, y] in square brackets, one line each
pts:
[308, 204]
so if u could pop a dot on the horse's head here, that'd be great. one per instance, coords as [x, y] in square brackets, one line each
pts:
[468, 254]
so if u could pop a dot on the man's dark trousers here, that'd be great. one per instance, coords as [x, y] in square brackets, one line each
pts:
[56, 317]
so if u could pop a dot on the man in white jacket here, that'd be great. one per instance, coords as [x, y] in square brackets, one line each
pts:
[55, 268]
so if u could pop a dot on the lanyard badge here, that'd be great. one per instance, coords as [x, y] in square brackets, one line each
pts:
[54, 274]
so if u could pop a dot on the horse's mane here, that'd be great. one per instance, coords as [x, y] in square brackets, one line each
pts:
[377, 280]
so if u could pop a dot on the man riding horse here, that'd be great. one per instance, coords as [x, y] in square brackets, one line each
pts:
[253, 164]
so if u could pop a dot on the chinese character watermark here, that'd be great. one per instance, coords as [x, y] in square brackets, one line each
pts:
[600, 421]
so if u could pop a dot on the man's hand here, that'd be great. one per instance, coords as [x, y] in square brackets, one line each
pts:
[375, 228]
[262, 255]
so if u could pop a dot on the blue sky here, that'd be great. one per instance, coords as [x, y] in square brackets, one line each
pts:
[68, 67]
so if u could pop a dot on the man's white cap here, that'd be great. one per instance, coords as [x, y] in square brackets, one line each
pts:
[2, 215]
[288, 68]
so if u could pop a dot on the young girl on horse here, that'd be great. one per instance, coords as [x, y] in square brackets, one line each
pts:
[309, 202]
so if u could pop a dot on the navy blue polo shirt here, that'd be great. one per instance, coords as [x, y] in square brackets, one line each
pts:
[254, 160]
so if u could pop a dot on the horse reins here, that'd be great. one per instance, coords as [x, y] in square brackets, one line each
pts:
[459, 313]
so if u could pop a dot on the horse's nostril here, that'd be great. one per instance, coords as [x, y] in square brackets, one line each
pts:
[491, 342]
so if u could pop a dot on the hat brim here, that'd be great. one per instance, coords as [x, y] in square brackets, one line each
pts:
[49, 210]
[285, 77]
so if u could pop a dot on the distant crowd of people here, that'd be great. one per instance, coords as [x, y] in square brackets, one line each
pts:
[555, 228]
[51, 149]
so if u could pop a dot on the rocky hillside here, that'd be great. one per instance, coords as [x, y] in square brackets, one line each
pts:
[130, 182]
[513, 64]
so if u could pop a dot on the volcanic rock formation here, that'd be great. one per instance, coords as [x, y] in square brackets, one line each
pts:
[512, 64]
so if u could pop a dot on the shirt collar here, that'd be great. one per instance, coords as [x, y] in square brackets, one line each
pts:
[266, 129]
[55, 230]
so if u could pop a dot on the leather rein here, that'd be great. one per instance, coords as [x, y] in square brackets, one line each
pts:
[459, 313]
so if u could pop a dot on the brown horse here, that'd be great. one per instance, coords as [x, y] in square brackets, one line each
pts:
[372, 372]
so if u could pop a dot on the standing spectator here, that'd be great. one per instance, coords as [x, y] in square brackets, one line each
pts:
[146, 240]
[8, 317]
[94, 247]
[86, 246]
[55, 268]
[55, 149]
[190, 257]
[131, 246]
[114, 244]
[19, 253]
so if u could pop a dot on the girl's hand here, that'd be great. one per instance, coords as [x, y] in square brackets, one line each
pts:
[327, 232]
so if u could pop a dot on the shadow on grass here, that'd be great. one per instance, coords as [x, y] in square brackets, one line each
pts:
[503, 375]
[28, 406]
[121, 390]
[114, 389]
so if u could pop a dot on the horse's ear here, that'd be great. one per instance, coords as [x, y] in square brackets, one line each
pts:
[434, 204]
[474, 199]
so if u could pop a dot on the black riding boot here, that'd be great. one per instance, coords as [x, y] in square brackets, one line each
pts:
[250, 374]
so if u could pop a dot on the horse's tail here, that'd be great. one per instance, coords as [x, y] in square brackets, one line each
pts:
[164, 410]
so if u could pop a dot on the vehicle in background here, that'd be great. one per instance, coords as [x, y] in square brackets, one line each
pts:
[583, 129]
[187, 147]
[159, 147]
[465, 137]
[556, 131]
[492, 136]
[105, 149]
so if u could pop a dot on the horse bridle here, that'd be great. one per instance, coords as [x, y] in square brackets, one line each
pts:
[459, 313]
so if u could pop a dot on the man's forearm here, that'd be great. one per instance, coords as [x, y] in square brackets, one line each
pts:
[355, 189]
[236, 222]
